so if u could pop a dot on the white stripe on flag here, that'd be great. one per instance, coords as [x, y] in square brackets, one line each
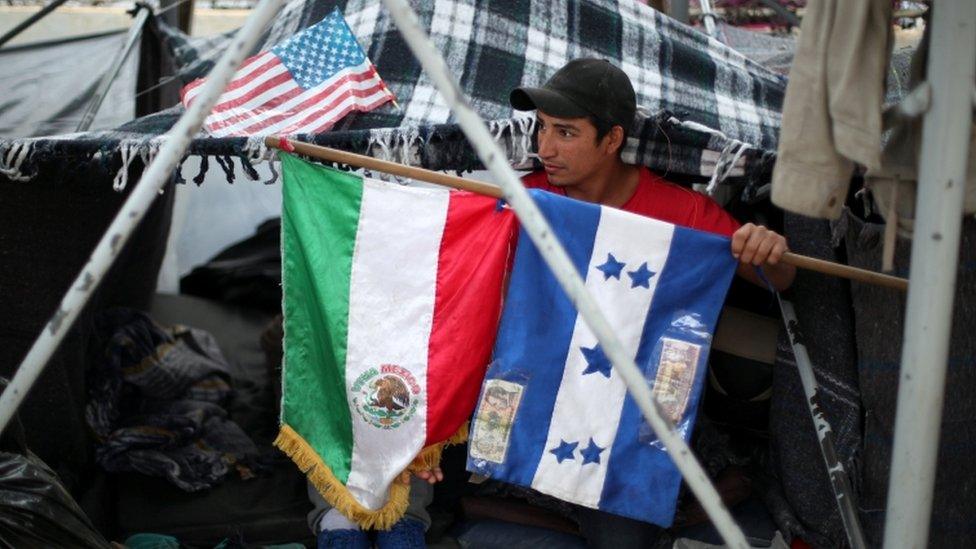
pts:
[588, 406]
[254, 117]
[245, 112]
[247, 68]
[391, 307]
[323, 105]
[249, 87]
[338, 110]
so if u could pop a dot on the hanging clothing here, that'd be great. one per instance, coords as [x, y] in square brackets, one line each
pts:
[893, 184]
[832, 109]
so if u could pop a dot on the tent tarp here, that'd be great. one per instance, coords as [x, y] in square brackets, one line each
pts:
[678, 74]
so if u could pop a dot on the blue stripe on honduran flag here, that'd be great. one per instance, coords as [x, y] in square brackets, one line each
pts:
[534, 345]
[533, 289]
[703, 269]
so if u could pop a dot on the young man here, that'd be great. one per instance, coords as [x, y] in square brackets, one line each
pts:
[583, 114]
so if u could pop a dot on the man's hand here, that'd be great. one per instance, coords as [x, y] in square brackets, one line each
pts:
[432, 476]
[757, 246]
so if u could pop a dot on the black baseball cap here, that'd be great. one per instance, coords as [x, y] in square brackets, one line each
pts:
[583, 87]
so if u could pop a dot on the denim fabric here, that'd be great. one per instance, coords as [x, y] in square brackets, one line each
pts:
[405, 534]
[342, 539]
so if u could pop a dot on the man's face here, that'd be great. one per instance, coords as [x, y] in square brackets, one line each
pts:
[569, 150]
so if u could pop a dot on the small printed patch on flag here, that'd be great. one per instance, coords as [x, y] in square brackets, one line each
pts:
[304, 85]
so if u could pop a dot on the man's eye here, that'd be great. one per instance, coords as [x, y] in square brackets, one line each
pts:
[566, 133]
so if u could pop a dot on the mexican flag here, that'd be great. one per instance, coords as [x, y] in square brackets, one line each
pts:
[392, 296]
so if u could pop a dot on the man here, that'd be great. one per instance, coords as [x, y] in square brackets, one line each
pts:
[583, 114]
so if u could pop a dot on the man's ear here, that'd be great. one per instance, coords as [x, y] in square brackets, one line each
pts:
[614, 140]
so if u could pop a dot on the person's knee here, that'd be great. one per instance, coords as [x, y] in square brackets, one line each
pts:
[421, 494]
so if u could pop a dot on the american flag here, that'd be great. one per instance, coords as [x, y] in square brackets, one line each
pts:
[304, 85]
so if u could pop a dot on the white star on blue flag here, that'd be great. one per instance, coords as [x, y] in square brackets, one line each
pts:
[309, 58]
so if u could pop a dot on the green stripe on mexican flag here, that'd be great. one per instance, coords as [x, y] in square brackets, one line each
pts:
[392, 296]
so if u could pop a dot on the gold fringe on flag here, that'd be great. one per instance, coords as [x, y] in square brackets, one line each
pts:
[334, 492]
[338, 496]
[430, 457]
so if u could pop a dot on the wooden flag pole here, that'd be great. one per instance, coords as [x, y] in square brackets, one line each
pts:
[487, 189]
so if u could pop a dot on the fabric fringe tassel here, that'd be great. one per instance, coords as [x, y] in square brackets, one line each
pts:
[12, 158]
[337, 495]
[514, 135]
[128, 150]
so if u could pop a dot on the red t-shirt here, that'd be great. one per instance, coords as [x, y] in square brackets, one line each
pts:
[660, 199]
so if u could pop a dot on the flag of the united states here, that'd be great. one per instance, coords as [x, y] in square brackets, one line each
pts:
[303, 85]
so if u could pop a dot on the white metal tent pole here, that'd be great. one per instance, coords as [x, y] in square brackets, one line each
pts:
[843, 493]
[708, 17]
[95, 103]
[935, 256]
[556, 258]
[157, 174]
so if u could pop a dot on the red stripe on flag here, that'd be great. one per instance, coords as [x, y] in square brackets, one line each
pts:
[275, 80]
[238, 81]
[245, 114]
[276, 101]
[269, 61]
[325, 126]
[188, 88]
[241, 81]
[318, 113]
[467, 307]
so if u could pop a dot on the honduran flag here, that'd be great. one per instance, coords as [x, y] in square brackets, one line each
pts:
[553, 414]
[392, 297]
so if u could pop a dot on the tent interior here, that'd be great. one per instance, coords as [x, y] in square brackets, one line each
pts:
[207, 256]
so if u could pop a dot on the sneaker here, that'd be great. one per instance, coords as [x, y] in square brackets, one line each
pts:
[405, 534]
[342, 539]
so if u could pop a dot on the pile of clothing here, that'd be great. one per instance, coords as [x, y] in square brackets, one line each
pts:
[157, 404]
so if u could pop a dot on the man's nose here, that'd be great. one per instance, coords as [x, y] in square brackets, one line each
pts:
[546, 149]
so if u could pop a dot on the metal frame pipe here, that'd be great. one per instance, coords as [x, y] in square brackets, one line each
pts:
[557, 259]
[708, 17]
[153, 180]
[135, 31]
[935, 256]
[26, 23]
[839, 481]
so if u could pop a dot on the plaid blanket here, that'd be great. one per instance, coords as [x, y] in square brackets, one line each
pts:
[702, 100]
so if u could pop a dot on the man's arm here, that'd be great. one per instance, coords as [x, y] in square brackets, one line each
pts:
[756, 246]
